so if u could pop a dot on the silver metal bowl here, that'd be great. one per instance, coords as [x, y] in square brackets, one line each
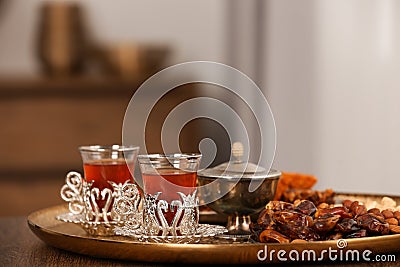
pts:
[238, 203]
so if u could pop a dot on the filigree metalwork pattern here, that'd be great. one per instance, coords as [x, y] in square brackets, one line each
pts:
[73, 192]
[120, 213]
[205, 233]
[127, 203]
[184, 222]
[120, 205]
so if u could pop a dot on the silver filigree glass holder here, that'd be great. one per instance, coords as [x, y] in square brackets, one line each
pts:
[185, 215]
[121, 205]
[182, 228]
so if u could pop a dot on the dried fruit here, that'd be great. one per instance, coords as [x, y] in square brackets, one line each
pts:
[396, 214]
[273, 236]
[387, 213]
[305, 206]
[335, 236]
[304, 220]
[317, 197]
[395, 229]
[299, 232]
[323, 206]
[357, 209]
[335, 211]
[293, 181]
[347, 225]
[358, 234]
[326, 223]
[392, 221]
[279, 205]
[377, 212]
[265, 219]
[347, 203]
[373, 224]
[374, 211]
[292, 218]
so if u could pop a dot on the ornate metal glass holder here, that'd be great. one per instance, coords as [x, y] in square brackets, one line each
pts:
[185, 211]
[183, 228]
[123, 215]
[121, 205]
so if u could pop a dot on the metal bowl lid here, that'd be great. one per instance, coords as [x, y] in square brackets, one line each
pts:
[238, 168]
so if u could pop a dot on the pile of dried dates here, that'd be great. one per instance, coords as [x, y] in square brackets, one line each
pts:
[284, 222]
[317, 197]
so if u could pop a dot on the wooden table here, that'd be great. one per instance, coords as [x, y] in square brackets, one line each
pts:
[20, 247]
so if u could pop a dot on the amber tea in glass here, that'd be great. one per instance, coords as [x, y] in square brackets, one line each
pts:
[171, 181]
[105, 164]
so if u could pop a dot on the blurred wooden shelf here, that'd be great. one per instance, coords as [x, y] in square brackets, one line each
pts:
[82, 86]
[44, 121]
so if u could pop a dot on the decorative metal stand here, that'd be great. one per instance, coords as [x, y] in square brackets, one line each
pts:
[183, 228]
[121, 205]
[122, 214]
[186, 215]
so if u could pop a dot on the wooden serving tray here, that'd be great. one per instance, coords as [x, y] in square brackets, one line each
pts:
[71, 237]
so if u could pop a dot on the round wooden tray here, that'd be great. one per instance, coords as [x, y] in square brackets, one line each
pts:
[71, 237]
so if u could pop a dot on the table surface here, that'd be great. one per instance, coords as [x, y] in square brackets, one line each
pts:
[20, 247]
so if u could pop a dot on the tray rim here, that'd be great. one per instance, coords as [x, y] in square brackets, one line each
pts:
[185, 253]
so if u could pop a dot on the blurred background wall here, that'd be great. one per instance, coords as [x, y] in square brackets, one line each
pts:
[329, 70]
[332, 80]
[195, 29]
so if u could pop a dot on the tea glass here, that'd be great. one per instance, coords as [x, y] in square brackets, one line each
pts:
[170, 205]
[105, 166]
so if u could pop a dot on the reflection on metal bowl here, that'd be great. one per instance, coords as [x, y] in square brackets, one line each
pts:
[238, 202]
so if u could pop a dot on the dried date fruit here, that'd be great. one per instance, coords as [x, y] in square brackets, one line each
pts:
[347, 225]
[395, 229]
[374, 211]
[392, 221]
[347, 203]
[305, 206]
[358, 234]
[334, 211]
[304, 220]
[335, 236]
[387, 213]
[396, 214]
[295, 225]
[353, 205]
[373, 224]
[377, 212]
[279, 205]
[256, 230]
[323, 206]
[292, 218]
[298, 232]
[317, 197]
[326, 223]
[357, 209]
[272, 236]
[265, 219]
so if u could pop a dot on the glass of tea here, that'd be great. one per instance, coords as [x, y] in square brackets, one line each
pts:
[105, 164]
[170, 205]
